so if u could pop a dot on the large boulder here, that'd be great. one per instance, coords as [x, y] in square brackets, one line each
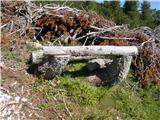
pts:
[50, 66]
[112, 73]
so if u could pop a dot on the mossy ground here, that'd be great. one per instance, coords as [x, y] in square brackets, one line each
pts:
[126, 100]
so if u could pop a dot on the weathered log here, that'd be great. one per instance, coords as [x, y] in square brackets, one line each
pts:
[90, 50]
[124, 66]
[53, 59]
[37, 57]
[84, 51]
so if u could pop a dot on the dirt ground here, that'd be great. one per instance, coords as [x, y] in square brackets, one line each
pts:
[16, 80]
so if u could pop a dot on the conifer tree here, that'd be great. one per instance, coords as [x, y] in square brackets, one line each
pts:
[107, 10]
[145, 8]
[130, 8]
[146, 17]
[119, 16]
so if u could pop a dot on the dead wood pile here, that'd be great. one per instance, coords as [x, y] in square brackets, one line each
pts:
[62, 25]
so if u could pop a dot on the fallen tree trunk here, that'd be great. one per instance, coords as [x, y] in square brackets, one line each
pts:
[84, 51]
[90, 50]
[37, 56]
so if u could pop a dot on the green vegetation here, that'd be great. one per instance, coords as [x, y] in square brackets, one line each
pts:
[10, 55]
[141, 104]
[130, 8]
[46, 87]
[85, 101]
[81, 91]
[43, 106]
[146, 15]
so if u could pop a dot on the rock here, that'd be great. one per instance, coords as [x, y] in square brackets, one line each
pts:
[116, 71]
[94, 80]
[112, 73]
[95, 64]
[52, 66]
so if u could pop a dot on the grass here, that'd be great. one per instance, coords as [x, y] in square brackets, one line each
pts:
[81, 91]
[15, 55]
[85, 101]
[142, 104]
[43, 106]
[46, 87]
[10, 55]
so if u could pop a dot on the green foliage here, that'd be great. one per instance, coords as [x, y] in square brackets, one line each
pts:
[90, 99]
[77, 87]
[81, 91]
[43, 106]
[139, 104]
[75, 70]
[146, 15]
[11, 55]
[31, 49]
[146, 12]
[156, 17]
[44, 86]
[130, 8]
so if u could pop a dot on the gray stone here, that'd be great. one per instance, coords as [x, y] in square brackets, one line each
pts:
[94, 80]
[117, 71]
[95, 64]
[113, 73]
[53, 65]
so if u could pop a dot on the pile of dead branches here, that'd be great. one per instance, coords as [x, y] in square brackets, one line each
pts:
[62, 25]
[147, 63]
[15, 23]
[17, 105]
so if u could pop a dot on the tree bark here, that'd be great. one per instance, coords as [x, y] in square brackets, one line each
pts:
[90, 50]
[77, 51]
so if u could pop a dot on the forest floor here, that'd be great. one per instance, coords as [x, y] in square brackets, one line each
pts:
[71, 96]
